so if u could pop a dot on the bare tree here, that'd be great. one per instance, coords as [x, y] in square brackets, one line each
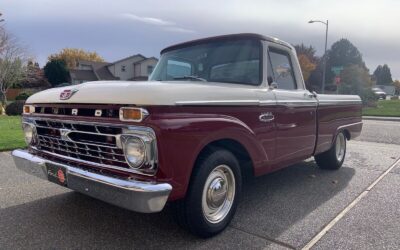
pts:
[12, 63]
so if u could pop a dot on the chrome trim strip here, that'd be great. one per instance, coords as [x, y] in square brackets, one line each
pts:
[297, 103]
[139, 196]
[354, 134]
[118, 125]
[338, 102]
[349, 125]
[267, 103]
[289, 103]
[128, 170]
[218, 102]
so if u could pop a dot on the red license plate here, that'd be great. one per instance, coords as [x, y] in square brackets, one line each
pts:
[57, 174]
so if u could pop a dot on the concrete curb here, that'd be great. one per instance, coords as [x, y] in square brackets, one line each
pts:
[381, 118]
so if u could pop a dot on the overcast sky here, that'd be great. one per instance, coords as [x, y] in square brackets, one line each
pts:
[120, 28]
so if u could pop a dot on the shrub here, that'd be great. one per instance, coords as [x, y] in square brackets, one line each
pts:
[368, 97]
[22, 96]
[15, 108]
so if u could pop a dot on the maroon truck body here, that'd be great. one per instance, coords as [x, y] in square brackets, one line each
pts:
[191, 129]
[185, 131]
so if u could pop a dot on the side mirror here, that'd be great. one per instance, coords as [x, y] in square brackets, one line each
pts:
[270, 80]
[271, 83]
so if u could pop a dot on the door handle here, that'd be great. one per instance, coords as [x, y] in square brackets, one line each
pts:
[266, 117]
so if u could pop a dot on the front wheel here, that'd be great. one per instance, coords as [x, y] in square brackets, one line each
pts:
[213, 195]
[334, 157]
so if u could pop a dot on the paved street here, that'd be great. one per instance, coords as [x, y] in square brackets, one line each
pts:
[286, 209]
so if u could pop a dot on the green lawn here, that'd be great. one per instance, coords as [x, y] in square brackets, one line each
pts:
[384, 108]
[11, 135]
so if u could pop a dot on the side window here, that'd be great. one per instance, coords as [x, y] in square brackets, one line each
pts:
[282, 69]
[243, 71]
[178, 69]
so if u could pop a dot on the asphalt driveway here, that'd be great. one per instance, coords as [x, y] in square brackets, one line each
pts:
[286, 209]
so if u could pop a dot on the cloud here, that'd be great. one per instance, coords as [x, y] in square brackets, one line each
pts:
[167, 25]
[179, 30]
[148, 20]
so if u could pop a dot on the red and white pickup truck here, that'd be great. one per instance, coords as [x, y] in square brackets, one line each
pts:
[213, 111]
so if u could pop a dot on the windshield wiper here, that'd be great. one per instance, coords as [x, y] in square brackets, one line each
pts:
[190, 77]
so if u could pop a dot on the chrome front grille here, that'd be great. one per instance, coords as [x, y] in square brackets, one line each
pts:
[95, 143]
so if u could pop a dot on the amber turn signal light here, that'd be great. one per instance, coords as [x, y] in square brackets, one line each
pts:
[29, 109]
[132, 114]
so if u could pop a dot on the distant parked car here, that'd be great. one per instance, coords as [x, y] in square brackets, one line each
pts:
[379, 93]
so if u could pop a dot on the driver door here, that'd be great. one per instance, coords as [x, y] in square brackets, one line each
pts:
[295, 115]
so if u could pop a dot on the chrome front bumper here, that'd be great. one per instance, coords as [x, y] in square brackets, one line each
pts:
[145, 197]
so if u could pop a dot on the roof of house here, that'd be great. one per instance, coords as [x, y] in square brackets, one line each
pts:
[99, 70]
[146, 59]
[105, 74]
[84, 75]
[129, 57]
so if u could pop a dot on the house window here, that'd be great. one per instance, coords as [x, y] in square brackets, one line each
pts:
[150, 69]
[123, 68]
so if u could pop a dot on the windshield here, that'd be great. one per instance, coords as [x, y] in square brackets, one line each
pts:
[217, 61]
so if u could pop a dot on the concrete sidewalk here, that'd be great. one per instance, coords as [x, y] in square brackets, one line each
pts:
[381, 118]
[373, 223]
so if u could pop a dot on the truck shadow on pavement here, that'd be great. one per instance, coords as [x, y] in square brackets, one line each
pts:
[270, 207]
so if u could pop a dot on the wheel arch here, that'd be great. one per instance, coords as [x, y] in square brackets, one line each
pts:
[236, 148]
[347, 134]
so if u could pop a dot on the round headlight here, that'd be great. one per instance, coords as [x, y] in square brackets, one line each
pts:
[135, 151]
[29, 131]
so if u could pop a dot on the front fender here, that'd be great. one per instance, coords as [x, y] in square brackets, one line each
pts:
[181, 137]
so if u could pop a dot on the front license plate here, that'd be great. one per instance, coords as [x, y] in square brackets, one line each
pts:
[57, 174]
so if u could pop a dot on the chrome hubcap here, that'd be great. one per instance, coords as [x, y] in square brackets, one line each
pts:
[340, 146]
[218, 194]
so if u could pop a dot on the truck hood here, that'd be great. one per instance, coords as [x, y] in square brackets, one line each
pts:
[147, 93]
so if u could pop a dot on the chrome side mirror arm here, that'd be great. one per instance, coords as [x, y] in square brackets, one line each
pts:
[273, 85]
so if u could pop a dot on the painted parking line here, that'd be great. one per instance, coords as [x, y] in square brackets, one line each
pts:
[317, 237]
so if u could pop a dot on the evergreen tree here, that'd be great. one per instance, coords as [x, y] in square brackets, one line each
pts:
[342, 54]
[382, 75]
[56, 72]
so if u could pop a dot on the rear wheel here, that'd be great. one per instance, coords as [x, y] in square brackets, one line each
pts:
[334, 157]
[213, 195]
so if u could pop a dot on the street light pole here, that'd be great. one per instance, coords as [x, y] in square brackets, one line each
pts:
[326, 44]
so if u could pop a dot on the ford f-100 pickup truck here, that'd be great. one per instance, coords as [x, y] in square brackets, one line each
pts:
[213, 111]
